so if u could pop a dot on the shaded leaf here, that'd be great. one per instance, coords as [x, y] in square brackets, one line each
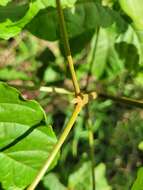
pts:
[84, 16]
[15, 17]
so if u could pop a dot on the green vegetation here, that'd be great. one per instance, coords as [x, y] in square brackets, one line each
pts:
[84, 130]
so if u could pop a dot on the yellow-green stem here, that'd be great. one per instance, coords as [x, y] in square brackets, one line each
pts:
[56, 148]
[67, 47]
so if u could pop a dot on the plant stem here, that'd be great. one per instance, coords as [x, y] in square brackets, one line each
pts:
[56, 148]
[122, 99]
[91, 145]
[88, 125]
[67, 47]
[56, 90]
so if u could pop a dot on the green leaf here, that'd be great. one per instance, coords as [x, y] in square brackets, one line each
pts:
[20, 163]
[101, 52]
[104, 58]
[83, 16]
[82, 179]
[138, 184]
[51, 182]
[134, 10]
[14, 17]
[115, 53]
[140, 146]
[134, 38]
[4, 2]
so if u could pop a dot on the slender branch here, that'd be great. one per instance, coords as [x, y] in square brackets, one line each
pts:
[67, 47]
[87, 117]
[122, 99]
[57, 147]
[55, 90]
[91, 145]
[49, 89]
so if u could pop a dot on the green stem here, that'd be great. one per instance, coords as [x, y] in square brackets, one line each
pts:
[57, 90]
[91, 135]
[91, 145]
[67, 47]
[120, 99]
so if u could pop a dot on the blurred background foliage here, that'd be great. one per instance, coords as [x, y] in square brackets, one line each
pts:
[108, 53]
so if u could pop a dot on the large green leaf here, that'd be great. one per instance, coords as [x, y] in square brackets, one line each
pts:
[138, 184]
[85, 15]
[25, 139]
[82, 179]
[14, 17]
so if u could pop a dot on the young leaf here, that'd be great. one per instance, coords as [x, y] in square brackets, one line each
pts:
[25, 139]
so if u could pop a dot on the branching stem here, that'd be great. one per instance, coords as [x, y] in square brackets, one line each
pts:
[80, 102]
[57, 90]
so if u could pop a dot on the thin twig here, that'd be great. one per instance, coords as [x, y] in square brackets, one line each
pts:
[87, 117]
[67, 47]
[122, 99]
[55, 90]
[56, 148]
[91, 145]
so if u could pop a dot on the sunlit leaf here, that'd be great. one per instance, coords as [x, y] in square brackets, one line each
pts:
[25, 139]
[133, 8]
